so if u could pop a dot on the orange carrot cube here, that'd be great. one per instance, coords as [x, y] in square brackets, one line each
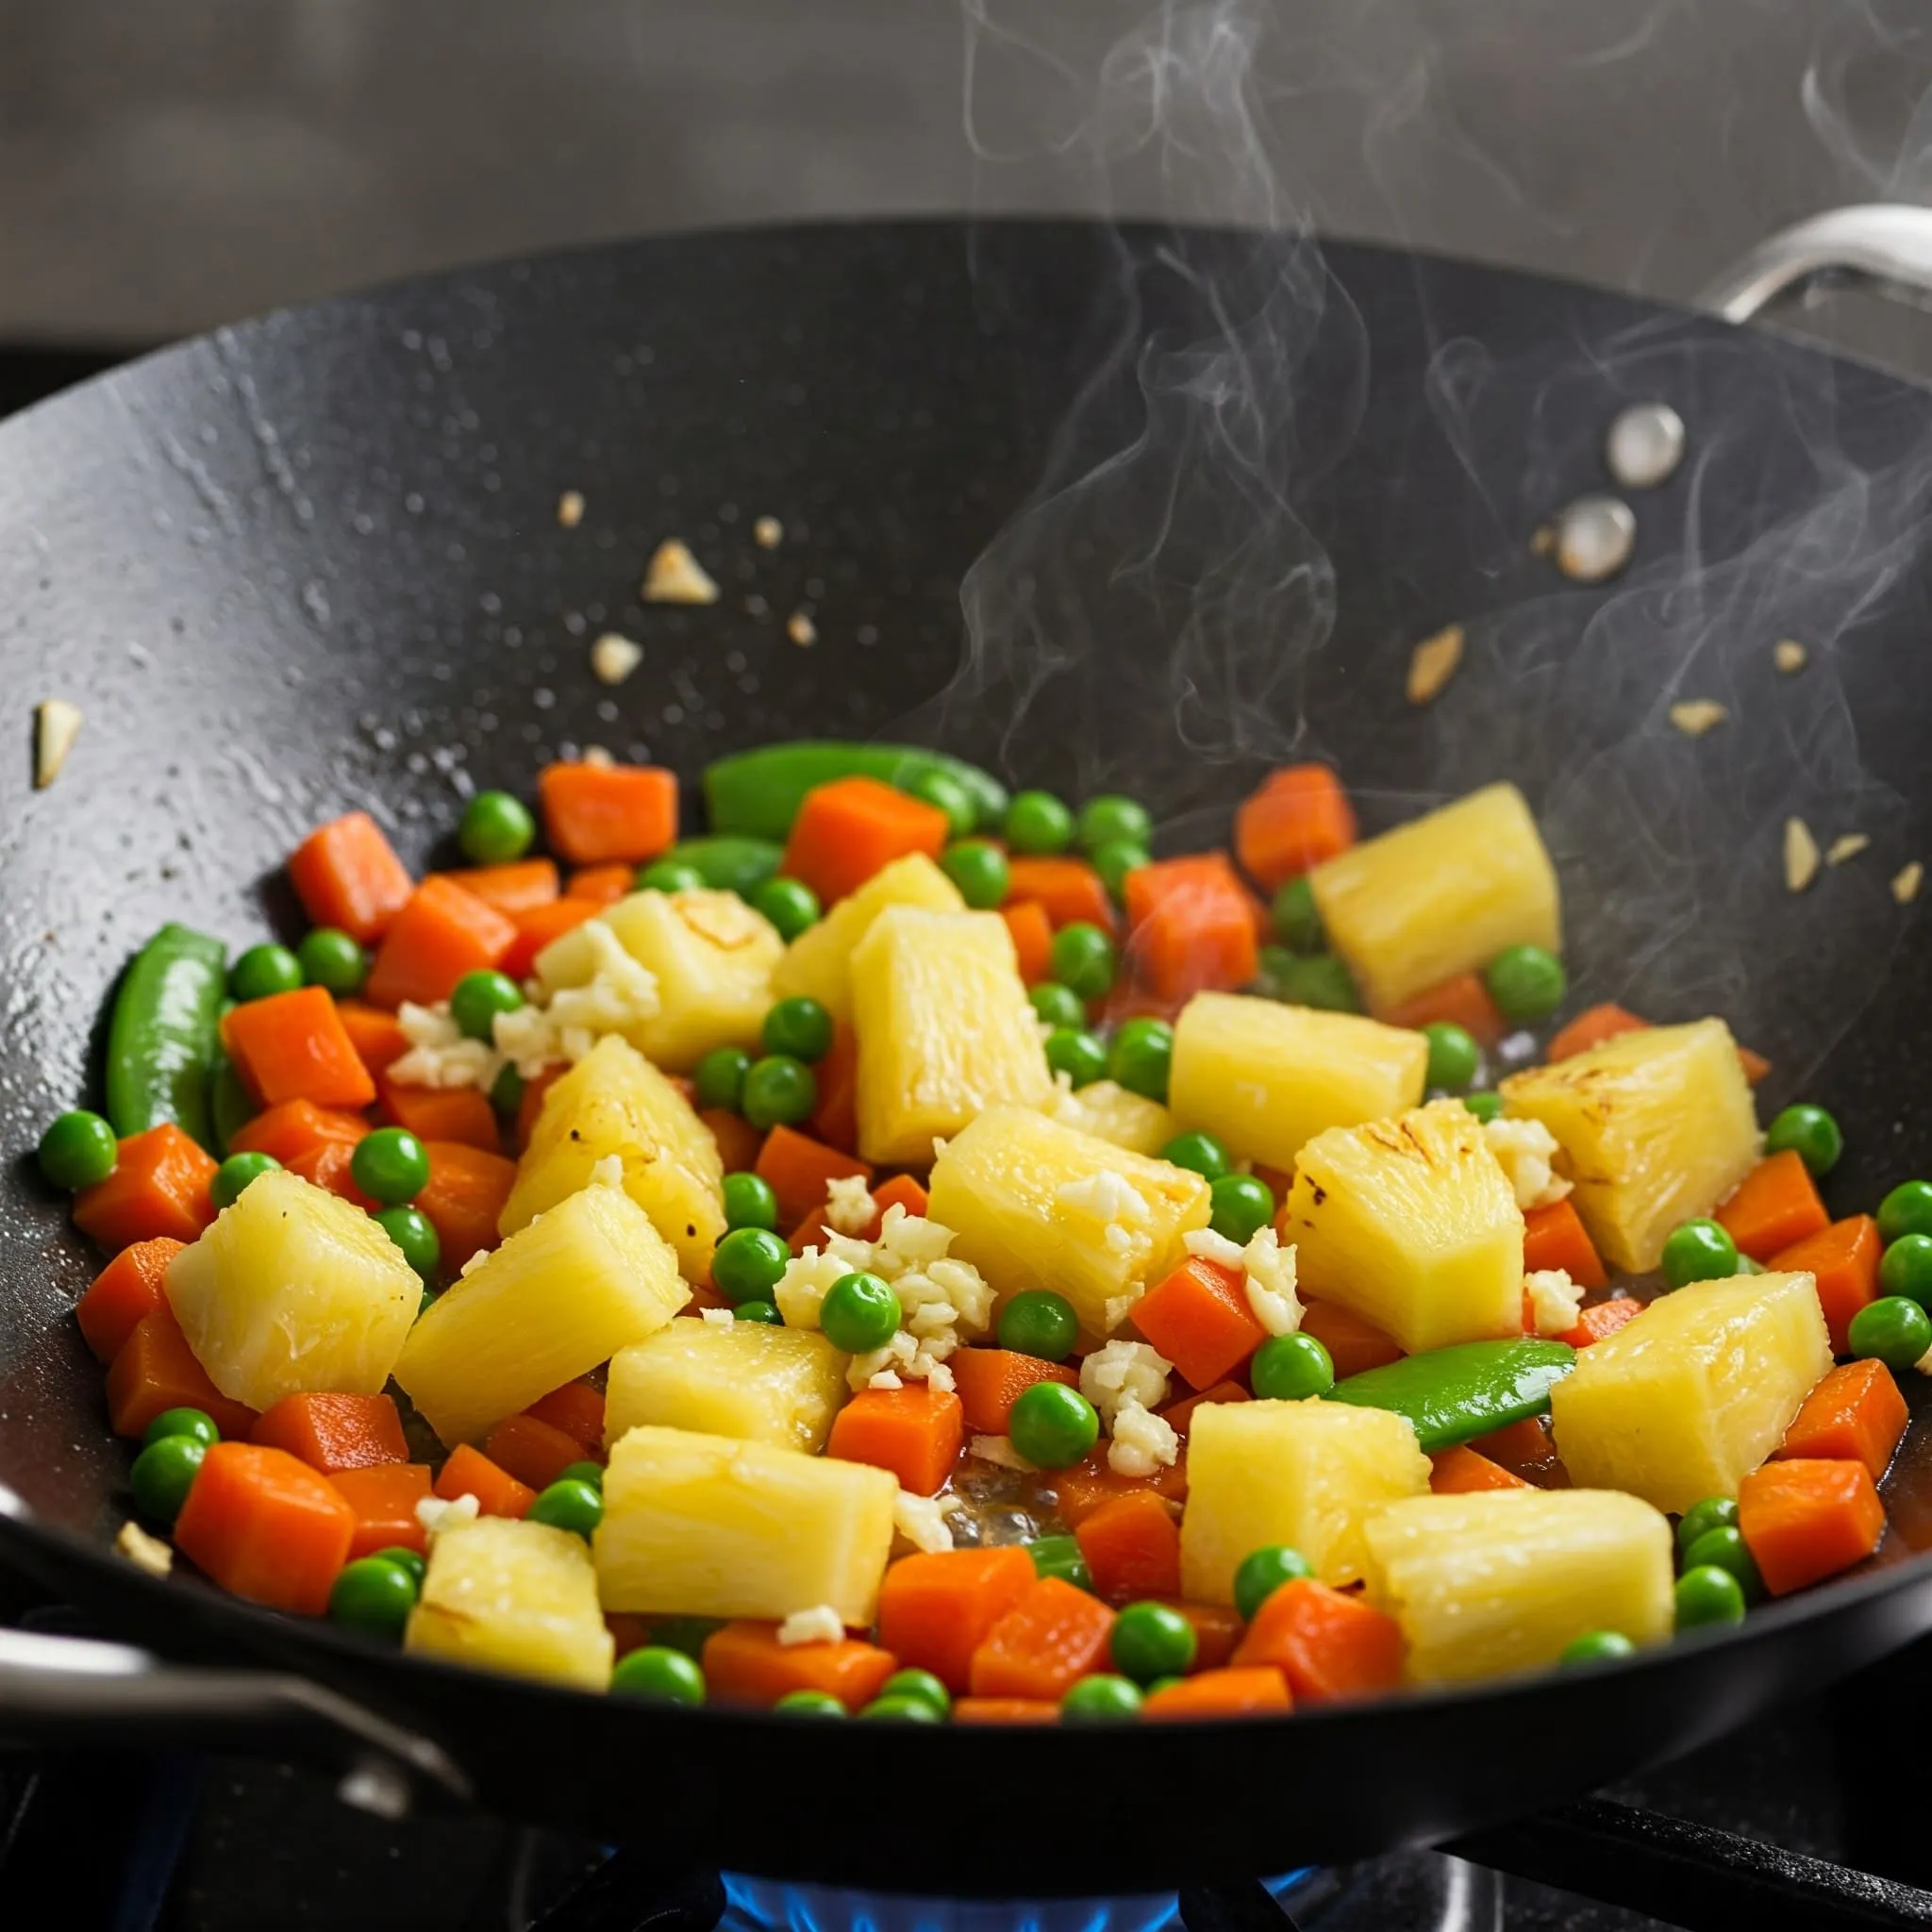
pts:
[536, 925]
[1602, 1319]
[1464, 1001]
[854, 827]
[1461, 1472]
[128, 1289]
[513, 888]
[1353, 1344]
[1805, 1521]
[443, 1113]
[595, 813]
[744, 1663]
[1843, 1260]
[291, 1128]
[331, 1164]
[916, 1432]
[378, 1037]
[1005, 1710]
[1555, 1237]
[798, 1169]
[1329, 1644]
[1133, 1548]
[266, 1526]
[384, 1497]
[464, 1197]
[1774, 1206]
[1298, 817]
[441, 935]
[989, 1381]
[603, 884]
[578, 1409]
[934, 1609]
[1032, 932]
[1855, 1414]
[531, 1450]
[1068, 890]
[333, 1432]
[1051, 1638]
[294, 1046]
[1190, 927]
[470, 1473]
[1246, 1690]
[1591, 1027]
[1199, 1319]
[1178, 1415]
[159, 1186]
[346, 874]
[155, 1370]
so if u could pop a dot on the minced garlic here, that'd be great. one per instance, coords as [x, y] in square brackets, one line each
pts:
[821, 1623]
[1525, 1149]
[1801, 855]
[1554, 1300]
[143, 1551]
[57, 724]
[1432, 664]
[675, 576]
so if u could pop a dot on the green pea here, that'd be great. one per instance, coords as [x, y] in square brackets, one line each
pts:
[944, 790]
[687, 1635]
[1041, 1323]
[1296, 920]
[746, 1265]
[1527, 982]
[915, 1710]
[1714, 1512]
[1907, 1209]
[591, 1473]
[1199, 1153]
[670, 876]
[659, 1674]
[918, 1684]
[1596, 1647]
[163, 1474]
[720, 1077]
[479, 998]
[567, 1505]
[333, 959]
[415, 1233]
[765, 1313]
[496, 827]
[1059, 1556]
[860, 1313]
[978, 868]
[1809, 1132]
[1083, 958]
[779, 1090]
[1152, 1640]
[1262, 1572]
[1288, 1368]
[414, 1562]
[1726, 1549]
[506, 1092]
[749, 1202]
[1051, 1425]
[1454, 1056]
[1320, 981]
[1101, 1699]
[1699, 1250]
[235, 1174]
[1114, 861]
[79, 1150]
[428, 1302]
[1892, 1330]
[800, 1027]
[1242, 1205]
[1708, 1596]
[1907, 1268]
[262, 972]
[1141, 1056]
[1110, 817]
[193, 1423]
[1485, 1105]
[810, 1704]
[1037, 825]
[1077, 1054]
[1058, 1004]
[391, 1166]
[791, 904]
[372, 1595]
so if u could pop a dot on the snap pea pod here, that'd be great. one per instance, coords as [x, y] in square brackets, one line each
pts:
[230, 1104]
[758, 793]
[728, 863]
[165, 1035]
[1454, 1395]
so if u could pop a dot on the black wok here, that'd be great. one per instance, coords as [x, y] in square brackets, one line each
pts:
[313, 562]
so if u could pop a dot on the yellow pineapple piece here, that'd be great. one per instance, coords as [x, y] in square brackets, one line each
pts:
[559, 1297]
[293, 1290]
[1263, 1077]
[1413, 1224]
[1441, 895]
[945, 1028]
[513, 1596]
[1655, 1127]
[1305, 1473]
[1035, 1204]
[818, 962]
[614, 1101]
[1505, 1580]
[754, 1383]
[1689, 1397]
[708, 1526]
[1110, 1112]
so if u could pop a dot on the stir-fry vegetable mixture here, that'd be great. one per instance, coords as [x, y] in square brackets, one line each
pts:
[907, 1252]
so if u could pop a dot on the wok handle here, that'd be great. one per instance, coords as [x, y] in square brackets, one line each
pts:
[1885, 244]
[61, 1692]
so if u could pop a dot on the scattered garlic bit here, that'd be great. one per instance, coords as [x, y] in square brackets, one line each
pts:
[768, 533]
[675, 576]
[57, 724]
[999, 1451]
[1433, 662]
[849, 1205]
[436, 1515]
[1848, 846]
[569, 509]
[596, 754]
[607, 1172]
[718, 1317]
[801, 629]
[1801, 855]
[1695, 716]
[614, 656]
[1526, 1150]
[1554, 1300]
[922, 1521]
[1790, 656]
[1269, 1286]
[821, 1623]
[143, 1551]
[1143, 1442]
[1124, 1372]
[1210, 1246]
[1905, 884]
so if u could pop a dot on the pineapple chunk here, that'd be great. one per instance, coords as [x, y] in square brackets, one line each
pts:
[1263, 1078]
[1655, 1127]
[1110, 1112]
[293, 1290]
[513, 1596]
[1441, 895]
[1034, 1203]
[944, 1029]
[1413, 1224]
[1688, 1398]
[614, 1101]
[819, 961]
[708, 1526]
[753, 1383]
[1305, 1474]
[555, 1300]
[1504, 1580]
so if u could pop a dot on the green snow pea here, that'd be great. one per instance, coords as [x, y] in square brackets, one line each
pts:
[165, 1035]
[728, 864]
[757, 793]
[1456, 1394]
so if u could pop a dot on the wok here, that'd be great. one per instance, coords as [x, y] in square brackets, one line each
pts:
[313, 562]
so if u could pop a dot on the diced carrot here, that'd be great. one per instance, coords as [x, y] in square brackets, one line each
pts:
[346, 874]
[129, 1288]
[1249, 1690]
[294, 1046]
[1297, 817]
[1005, 1710]
[1329, 1646]
[1217, 1630]
[295, 1126]
[333, 1432]
[1068, 890]
[533, 1451]
[1032, 932]
[1757, 1068]
[797, 1168]
[936, 1608]
[1051, 1638]
[155, 1370]
[578, 1409]
[1602, 1319]
[603, 884]
[331, 1164]
[1806, 1520]
[1460, 1472]
[378, 1037]
[513, 888]
[744, 1663]
[1133, 1548]
[852, 827]
[916, 1432]
[1843, 1260]
[1855, 1414]
[1190, 926]
[1464, 1001]
[266, 1526]
[464, 1197]
[159, 1186]
[443, 1113]
[737, 1140]
[530, 1108]
[1353, 1344]
[990, 1380]
[470, 1473]
[1526, 1448]
[627, 1632]
[594, 814]
[1555, 1237]
[1200, 1320]
[1080, 1491]
[384, 1497]
[1774, 1206]
[902, 1190]
[1179, 1415]
[441, 935]
[537, 926]
[1591, 1027]
[835, 1120]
